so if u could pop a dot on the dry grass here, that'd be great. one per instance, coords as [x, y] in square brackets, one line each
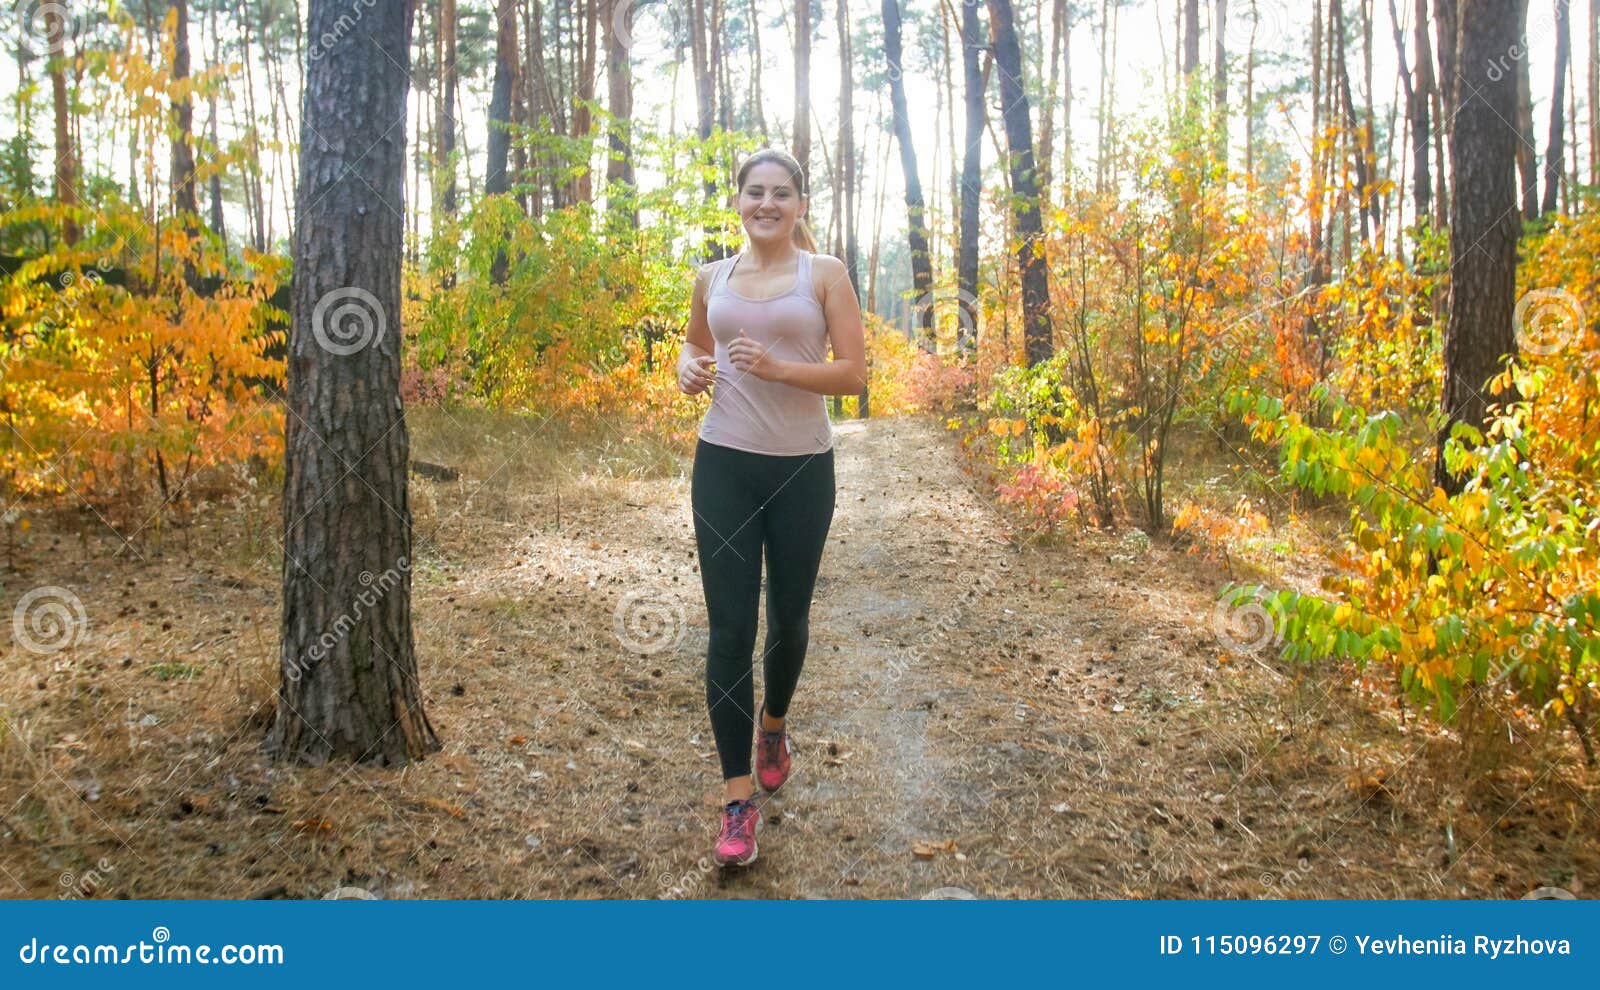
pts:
[1017, 718]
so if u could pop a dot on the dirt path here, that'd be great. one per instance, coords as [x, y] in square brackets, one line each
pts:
[978, 715]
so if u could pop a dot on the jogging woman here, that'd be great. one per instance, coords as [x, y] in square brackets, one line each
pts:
[760, 327]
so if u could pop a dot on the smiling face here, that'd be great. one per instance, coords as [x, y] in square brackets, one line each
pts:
[769, 203]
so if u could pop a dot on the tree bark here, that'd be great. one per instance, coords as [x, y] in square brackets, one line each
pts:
[1037, 337]
[349, 670]
[1484, 225]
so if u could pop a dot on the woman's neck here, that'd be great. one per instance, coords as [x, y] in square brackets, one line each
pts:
[772, 255]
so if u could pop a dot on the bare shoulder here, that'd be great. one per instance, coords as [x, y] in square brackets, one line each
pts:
[826, 272]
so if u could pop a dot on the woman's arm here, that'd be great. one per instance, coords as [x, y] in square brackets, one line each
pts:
[695, 358]
[846, 374]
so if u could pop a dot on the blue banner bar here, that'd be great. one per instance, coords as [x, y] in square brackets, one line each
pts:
[891, 943]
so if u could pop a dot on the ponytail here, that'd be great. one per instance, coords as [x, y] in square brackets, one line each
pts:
[802, 236]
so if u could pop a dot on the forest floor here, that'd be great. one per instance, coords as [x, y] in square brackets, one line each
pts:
[980, 714]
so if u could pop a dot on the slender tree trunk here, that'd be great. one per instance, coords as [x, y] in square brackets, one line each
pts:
[1037, 336]
[921, 265]
[1361, 155]
[1102, 110]
[495, 180]
[348, 661]
[215, 180]
[1594, 93]
[755, 70]
[619, 101]
[1484, 225]
[801, 148]
[1527, 167]
[66, 184]
[1555, 151]
[582, 116]
[1219, 80]
[1445, 22]
[1250, 93]
[971, 180]
[847, 170]
[446, 125]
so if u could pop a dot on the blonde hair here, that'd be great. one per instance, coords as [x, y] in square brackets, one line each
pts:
[802, 233]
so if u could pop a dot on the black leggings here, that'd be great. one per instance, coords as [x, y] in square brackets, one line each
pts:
[742, 503]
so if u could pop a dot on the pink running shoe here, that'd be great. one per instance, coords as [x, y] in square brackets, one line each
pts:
[772, 755]
[736, 845]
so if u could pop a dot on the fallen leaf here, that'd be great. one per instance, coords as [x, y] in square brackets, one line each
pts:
[312, 825]
[925, 848]
[453, 810]
[518, 740]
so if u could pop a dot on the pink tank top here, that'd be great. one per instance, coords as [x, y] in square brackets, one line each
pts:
[750, 413]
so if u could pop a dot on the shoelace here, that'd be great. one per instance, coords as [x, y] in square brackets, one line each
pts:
[738, 819]
[773, 743]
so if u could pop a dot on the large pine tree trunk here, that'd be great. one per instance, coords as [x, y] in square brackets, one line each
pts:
[1037, 337]
[1484, 225]
[1555, 151]
[921, 264]
[349, 688]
